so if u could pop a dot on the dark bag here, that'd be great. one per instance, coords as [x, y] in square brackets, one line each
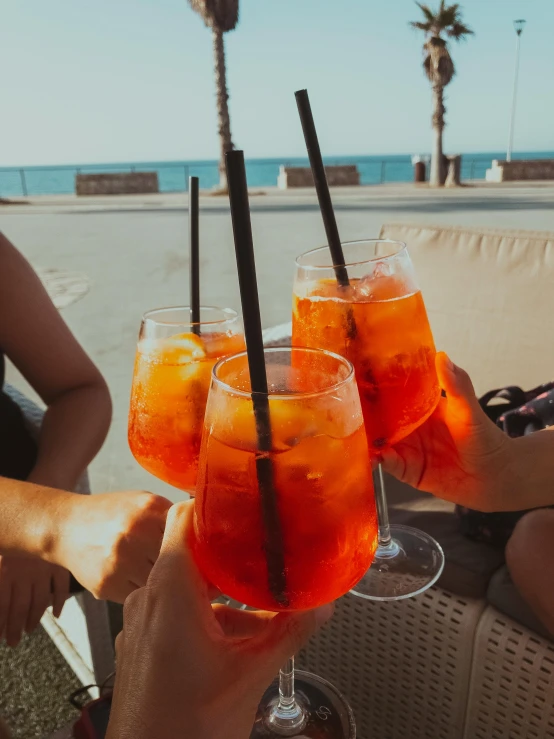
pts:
[93, 722]
[519, 413]
[95, 714]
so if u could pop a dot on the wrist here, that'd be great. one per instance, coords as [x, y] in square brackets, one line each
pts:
[531, 471]
[58, 531]
[512, 476]
[498, 481]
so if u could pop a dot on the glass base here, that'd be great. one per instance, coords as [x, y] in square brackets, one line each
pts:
[409, 565]
[326, 713]
[224, 600]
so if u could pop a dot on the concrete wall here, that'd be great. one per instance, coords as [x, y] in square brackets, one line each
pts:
[521, 169]
[337, 176]
[116, 183]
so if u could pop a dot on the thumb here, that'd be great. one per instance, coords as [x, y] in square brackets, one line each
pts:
[285, 635]
[462, 402]
[175, 576]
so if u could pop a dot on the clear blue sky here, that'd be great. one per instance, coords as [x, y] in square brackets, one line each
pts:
[132, 80]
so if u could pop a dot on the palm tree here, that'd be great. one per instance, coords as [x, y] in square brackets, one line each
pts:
[439, 68]
[221, 16]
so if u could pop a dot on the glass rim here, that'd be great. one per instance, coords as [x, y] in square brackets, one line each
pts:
[285, 396]
[228, 315]
[357, 262]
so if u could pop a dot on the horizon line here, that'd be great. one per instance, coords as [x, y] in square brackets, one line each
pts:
[277, 159]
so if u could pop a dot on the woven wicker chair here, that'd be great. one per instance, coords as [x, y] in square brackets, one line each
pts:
[512, 681]
[82, 633]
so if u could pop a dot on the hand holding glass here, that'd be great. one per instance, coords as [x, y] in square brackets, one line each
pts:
[326, 516]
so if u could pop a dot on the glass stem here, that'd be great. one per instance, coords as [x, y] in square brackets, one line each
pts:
[286, 686]
[385, 540]
[287, 716]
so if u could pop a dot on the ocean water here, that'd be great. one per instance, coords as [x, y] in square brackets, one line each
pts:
[173, 176]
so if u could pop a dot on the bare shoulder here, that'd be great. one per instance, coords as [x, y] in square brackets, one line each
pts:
[20, 287]
[13, 265]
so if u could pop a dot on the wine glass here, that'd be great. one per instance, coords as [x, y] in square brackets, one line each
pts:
[290, 524]
[171, 380]
[378, 321]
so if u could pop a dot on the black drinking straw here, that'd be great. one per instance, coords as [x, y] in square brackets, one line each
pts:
[242, 231]
[194, 256]
[321, 186]
[324, 197]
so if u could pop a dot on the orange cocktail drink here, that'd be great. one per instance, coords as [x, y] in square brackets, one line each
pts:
[380, 324]
[325, 516]
[171, 380]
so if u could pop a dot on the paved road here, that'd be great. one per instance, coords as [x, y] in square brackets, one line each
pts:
[133, 250]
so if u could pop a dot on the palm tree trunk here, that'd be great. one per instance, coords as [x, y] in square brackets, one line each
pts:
[223, 120]
[436, 178]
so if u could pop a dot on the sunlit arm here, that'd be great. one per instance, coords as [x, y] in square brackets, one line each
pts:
[39, 343]
[109, 541]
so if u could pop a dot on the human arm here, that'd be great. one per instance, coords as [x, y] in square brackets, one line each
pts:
[108, 541]
[188, 668]
[39, 343]
[78, 410]
[459, 454]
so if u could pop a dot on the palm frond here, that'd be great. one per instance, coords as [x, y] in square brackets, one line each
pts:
[448, 15]
[427, 12]
[459, 30]
[220, 14]
[421, 26]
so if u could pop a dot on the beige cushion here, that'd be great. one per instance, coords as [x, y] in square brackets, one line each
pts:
[490, 299]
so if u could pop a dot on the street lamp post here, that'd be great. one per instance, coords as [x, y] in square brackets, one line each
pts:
[518, 25]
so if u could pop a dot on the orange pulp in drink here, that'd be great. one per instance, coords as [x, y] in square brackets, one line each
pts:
[386, 335]
[323, 486]
[168, 399]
